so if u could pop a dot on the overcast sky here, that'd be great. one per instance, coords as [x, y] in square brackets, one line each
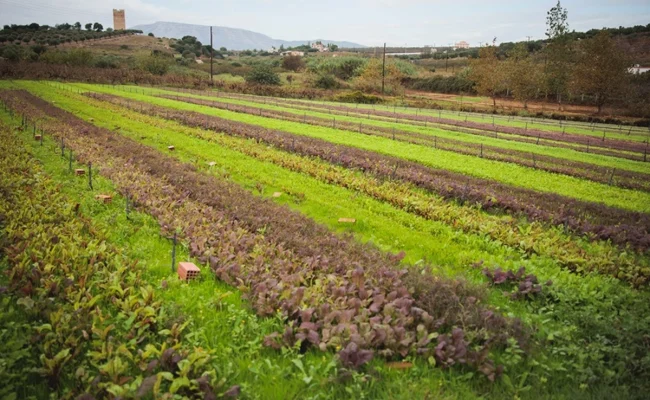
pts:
[369, 22]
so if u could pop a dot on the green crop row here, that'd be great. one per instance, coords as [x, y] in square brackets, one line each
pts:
[487, 169]
[568, 154]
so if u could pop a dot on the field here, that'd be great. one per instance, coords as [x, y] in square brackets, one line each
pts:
[346, 250]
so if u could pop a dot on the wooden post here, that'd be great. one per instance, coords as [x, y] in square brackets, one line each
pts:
[90, 175]
[174, 252]
[70, 162]
[211, 57]
[383, 71]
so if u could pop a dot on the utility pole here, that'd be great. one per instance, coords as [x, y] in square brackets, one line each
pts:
[383, 70]
[528, 37]
[211, 57]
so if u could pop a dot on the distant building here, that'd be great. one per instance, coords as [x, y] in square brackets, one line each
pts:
[320, 47]
[462, 45]
[119, 21]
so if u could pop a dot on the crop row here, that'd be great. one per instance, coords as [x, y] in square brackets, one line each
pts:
[619, 177]
[533, 238]
[592, 128]
[472, 127]
[586, 318]
[335, 293]
[73, 292]
[623, 227]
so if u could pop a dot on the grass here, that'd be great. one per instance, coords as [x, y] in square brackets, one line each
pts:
[503, 172]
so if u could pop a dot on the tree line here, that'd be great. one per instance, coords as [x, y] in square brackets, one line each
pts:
[565, 66]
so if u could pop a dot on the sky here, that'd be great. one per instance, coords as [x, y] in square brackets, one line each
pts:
[369, 22]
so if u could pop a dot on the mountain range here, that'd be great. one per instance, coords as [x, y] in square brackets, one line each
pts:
[230, 38]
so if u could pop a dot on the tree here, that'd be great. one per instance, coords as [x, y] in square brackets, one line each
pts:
[487, 74]
[264, 75]
[97, 27]
[523, 74]
[293, 63]
[223, 49]
[602, 68]
[559, 55]
[77, 26]
[89, 26]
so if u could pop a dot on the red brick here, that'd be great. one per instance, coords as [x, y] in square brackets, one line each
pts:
[188, 271]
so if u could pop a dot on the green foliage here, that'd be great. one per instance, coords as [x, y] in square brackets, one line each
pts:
[342, 67]
[326, 81]
[155, 64]
[263, 75]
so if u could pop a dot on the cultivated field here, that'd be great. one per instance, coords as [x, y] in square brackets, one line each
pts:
[346, 251]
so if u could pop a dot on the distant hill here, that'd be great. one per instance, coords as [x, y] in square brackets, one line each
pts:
[230, 38]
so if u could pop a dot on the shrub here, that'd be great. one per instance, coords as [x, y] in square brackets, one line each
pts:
[124, 47]
[155, 64]
[326, 81]
[358, 97]
[263, 75]
[342, 67]
[293, 63]
[150, 34]
[107, 62]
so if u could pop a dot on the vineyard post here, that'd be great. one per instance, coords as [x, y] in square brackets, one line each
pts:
[70, 162]
[481, 150]
[603, 135]
[393, 133]
[174, 252]
[435, 142]
[126, 198]
[62, 148]
[211, 57]
[611, 177]
[534, 161]
[538, 138]
[90, 175]
[383, 71]
[588, 145]
[526, 130]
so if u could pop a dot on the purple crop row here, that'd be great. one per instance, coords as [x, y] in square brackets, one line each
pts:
[591, 144]
[618, 177]
[334, 292]
[603, 222]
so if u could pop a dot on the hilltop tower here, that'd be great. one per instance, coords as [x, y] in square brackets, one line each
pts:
[119, 22]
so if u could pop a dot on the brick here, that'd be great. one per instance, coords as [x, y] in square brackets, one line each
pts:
[187, 271]
[347, 220]
[79, 171]
[104, 198]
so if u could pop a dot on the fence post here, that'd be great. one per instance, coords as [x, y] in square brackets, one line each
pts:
[174, 252]
[90, 175]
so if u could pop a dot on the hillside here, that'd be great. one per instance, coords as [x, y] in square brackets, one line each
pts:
[231, 38]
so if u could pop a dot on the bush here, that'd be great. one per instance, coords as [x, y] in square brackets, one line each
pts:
[263, 75]
[107, 62]
[150, 34]
[326, 81]
[155, 64]
[342, 67]
[124, 47]
[293, 63]
[358, 97]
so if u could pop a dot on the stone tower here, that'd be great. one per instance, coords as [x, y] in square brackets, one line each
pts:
[119, 22]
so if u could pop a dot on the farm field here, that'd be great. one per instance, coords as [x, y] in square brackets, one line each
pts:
[346, 251]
